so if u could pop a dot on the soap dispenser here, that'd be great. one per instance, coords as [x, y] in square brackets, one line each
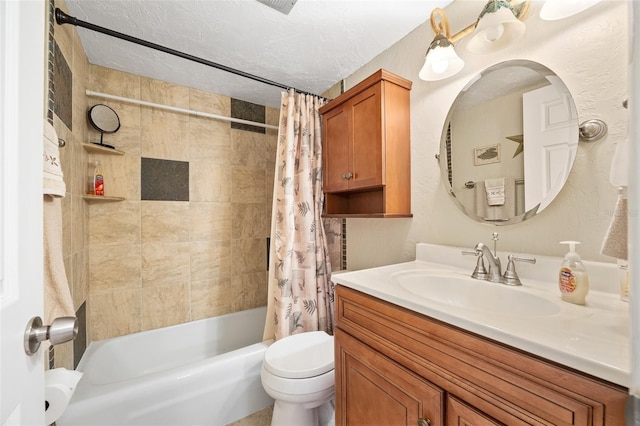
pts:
[573, 279]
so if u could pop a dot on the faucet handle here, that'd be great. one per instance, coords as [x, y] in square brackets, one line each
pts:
[480, 272]
[510, 276]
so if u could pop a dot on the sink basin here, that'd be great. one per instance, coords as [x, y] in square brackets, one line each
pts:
[468, 293]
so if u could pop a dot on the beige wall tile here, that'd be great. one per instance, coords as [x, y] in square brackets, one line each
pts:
[164, 93]
[79, 282]
[210, 139]
[114, 267]
[63, 356]
[248, 149]
[210, 221]
[113, 82]
[164, 263]
[271, 143]
[210, 260]
[165, 305]
[165, 135]
[209, 182]
[121, 176]
[251, 220]
[249, 290]
[165, 221]
[209, 102]
[78, 230]
[210, 298]
[115, 313]
[272, 116]
[249, 255]
[247, 185]
[114, 223]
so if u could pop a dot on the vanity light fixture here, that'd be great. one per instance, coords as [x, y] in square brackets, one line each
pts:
[441, 60]
[553, 10]
[498, 25]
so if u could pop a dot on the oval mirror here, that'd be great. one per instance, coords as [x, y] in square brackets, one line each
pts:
[104, 119]
[509, 142]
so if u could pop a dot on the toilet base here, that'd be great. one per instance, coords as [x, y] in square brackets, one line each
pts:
[292, 414]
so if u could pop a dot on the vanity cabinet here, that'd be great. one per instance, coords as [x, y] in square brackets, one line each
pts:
[396, 367]
[366, 149]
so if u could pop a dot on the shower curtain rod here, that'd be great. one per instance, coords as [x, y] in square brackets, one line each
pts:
[177, 109]
[63, 18]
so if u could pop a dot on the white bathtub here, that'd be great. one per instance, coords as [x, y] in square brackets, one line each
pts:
[204, 372]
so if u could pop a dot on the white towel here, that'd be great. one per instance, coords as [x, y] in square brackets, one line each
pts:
[619, 174]
[52, 177]
[57, 296]
[495, 191]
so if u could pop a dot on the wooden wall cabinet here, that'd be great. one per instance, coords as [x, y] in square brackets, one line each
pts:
[397, 367]
[366, 149]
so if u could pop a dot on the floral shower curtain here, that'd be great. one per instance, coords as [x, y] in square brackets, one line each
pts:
[300, 292]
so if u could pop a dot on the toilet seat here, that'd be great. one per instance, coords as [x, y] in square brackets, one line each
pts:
[300, 356]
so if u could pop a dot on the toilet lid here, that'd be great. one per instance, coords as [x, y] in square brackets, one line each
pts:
[300, 355]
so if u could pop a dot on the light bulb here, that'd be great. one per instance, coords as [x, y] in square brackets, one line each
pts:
[494, 32]
[440, 66]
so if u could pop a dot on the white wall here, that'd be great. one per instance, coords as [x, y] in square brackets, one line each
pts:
[589, 52]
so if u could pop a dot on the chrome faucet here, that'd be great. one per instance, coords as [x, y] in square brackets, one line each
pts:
[494, 272]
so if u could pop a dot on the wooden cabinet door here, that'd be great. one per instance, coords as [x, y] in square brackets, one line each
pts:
[337, 129]
[461, 414]
[373, 390]
[367, 145]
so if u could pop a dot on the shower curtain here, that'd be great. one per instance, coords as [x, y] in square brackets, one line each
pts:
[300, 291]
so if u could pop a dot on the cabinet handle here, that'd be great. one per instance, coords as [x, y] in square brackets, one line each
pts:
[424, 422]
[348, 176]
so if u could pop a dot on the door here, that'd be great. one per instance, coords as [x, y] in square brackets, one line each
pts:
[22, 58]
[336, 135]
[461, 414]
[551, 141]
[367, 149]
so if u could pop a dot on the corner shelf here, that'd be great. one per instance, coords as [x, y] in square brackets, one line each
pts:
[101, 198]
[92, 147]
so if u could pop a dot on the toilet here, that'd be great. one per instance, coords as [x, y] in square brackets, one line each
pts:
[297, 372]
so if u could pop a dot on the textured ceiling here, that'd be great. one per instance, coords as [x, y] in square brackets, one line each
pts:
[316, 45]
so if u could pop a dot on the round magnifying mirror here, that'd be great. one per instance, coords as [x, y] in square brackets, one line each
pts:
[509, 142]
[104, 119]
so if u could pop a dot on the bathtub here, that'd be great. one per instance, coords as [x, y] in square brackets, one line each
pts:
[203, 372]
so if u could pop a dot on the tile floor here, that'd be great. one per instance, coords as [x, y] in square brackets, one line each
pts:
[261, 418]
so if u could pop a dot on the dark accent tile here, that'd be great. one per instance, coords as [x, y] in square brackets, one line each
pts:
[164, 180]
[80, 343]
[247, 111]
[62, 83]
[268, 250]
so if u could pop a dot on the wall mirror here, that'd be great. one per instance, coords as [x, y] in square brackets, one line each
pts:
[509, 142]
[105, 120]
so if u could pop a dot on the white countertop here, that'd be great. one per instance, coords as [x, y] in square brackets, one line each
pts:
[593, 338]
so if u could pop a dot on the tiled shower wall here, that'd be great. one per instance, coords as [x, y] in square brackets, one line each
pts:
[68, 75]
[155, 263]
[139, 264]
